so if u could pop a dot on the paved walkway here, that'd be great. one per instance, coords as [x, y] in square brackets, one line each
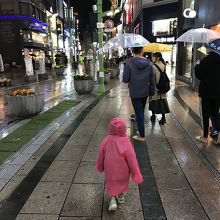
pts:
[60, 181]
[190, 102]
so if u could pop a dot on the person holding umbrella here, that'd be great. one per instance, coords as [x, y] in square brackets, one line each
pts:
[208, 72]
[139, 74]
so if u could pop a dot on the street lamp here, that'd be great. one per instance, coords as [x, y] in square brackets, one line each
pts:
[98, 9]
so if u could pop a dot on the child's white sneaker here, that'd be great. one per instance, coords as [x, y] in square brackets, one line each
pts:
[120, 198]
[113, 204]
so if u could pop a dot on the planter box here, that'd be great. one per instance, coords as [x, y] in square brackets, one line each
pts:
[31, 78]
[42, 77]
[58, 72]
[107, 77]
[84, 86]
[22, 106]
[113, 73]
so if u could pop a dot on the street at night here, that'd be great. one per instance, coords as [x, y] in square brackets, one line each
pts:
[109, 109]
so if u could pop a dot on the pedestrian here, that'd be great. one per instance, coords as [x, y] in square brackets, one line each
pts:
[117, 159]
[158, 104]
[207, 71]
[139, 74]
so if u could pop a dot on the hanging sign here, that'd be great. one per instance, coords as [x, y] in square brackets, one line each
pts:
[100, 25]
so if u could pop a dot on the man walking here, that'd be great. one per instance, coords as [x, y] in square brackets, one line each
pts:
[209, 91]
[138, 73]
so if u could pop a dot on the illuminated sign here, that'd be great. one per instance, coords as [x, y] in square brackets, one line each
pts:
[189, 13]
[165, 39]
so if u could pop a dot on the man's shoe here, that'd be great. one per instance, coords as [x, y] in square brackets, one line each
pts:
[214, 133]
[120, 198]
[202, 139]
[153, 118]
[113, 205]
[162, 121]
[132, 118]
[138, 138]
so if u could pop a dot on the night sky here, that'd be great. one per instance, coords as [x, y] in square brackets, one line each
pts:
[84, 7]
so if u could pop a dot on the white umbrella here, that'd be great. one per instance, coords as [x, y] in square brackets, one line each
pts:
[125, 41]
[199, 35]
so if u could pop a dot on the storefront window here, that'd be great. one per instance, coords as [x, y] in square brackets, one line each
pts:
[189, 4]
[165, 27]
[187, 58]
[7, 9]
[24, 9]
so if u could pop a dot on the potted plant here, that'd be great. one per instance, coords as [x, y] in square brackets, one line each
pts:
[24, 102]
[114, 70]
[107, 75]
[58, 71]
[84, 84]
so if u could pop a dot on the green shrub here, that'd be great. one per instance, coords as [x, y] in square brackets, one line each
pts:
[82, 77]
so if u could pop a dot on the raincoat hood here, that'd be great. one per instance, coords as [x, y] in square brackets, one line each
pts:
[140, 63]
[117, 127]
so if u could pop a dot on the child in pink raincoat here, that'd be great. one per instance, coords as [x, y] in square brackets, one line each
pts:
[117, 159]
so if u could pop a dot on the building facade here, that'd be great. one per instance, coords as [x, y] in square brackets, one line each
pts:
[34, 24]
[188, 54]
[157, 22]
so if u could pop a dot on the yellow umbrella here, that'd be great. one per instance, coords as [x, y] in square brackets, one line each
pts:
[203, 50]
[156, 47]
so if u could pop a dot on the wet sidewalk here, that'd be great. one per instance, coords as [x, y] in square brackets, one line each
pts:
[59, 181]
[189, 100]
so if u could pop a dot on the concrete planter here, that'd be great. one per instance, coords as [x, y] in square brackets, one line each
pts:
[84, 86]
[113, 73]
[58, 72]
[42, 77]
[31, 78]
[107, 77]
[22, 106]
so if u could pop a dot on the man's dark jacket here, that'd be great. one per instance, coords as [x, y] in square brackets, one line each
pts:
[208, 72]
[139, 74]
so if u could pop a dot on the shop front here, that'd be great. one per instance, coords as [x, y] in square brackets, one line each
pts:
[158, 23]
[165, 32]
[188, 54]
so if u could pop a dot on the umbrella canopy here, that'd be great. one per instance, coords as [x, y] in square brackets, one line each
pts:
[199, 35]
[156, 47]
[125, 41]
[214, 46]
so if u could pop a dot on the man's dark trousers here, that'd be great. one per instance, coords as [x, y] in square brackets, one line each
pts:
[139, 107]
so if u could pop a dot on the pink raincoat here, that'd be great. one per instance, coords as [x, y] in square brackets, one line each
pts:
[117, 159]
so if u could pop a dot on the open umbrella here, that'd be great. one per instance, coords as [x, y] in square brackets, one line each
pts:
[199, 35]
[214, 46]
[127, 40]
[156, 47]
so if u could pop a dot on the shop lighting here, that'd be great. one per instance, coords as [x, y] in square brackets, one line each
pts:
[26, 18]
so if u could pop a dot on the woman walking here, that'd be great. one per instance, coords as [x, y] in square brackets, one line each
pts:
[158, 103]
